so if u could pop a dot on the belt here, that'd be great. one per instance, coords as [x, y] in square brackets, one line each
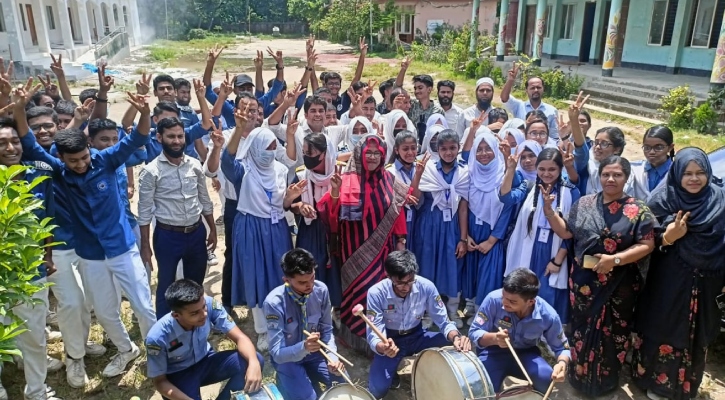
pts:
[403, 332]
[184, 229]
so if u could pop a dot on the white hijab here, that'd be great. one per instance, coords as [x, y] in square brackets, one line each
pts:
[391, 119]
[521, 243]
[432, 182]
[436, 119]
[350, 140]
[519, 136]
[429, 133]
[535, 148]
[263, 186]
[485, 181]
[318, 184]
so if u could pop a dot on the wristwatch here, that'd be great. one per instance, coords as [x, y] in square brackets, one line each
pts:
[278, 67]
[617, 260]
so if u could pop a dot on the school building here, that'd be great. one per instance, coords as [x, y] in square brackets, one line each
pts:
[670, 36]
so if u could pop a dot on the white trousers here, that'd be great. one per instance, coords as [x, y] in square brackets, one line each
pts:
[74, 309]
[128, 270]
[31, 343]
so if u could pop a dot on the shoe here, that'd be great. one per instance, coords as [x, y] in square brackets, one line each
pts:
[95, 349]
[53, 363]
[52, 336]
[220, 220]
[48, 395]
[654, 396]
[211, 259]
[120, 361]
[75, 373]
[51, 318]
[262, 342]
[456, 320]
[470, 309]
[395, 383]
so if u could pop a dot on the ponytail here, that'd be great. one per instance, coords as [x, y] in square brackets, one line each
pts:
[530, 220]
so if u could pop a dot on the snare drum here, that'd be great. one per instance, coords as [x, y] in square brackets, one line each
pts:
[449, 374]
[520, 393]
[267, 392]
[344, 391]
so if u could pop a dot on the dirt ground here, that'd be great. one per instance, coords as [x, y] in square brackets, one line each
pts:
[333, 57]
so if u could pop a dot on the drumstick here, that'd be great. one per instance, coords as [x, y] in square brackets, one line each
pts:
[326, 347]
[526, 374]
[358, 310]
[548, 391]
[344, 375]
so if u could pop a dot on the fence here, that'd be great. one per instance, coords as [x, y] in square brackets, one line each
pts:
[285, 28]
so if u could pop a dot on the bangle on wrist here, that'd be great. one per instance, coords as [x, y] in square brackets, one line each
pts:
[665, 241]
[100, 100]
[335, 197]
[553, 261]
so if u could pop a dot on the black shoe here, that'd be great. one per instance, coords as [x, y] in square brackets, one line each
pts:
[395, 384]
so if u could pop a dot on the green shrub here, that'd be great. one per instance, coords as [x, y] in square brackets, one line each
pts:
[677, 107]
[498, 77]
[197, 34]
[471, 69]
[162, 53]
[485, 67]
[704, 119]
[21, 251]
[558, 85]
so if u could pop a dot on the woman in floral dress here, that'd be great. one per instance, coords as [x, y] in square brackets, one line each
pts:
[677, 315]
[619, 231]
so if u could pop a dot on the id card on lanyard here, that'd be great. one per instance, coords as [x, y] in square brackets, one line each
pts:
[272, 212]
[447, 212]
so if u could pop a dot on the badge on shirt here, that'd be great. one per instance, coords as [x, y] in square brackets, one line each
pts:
[102, 186]
[371, 313]
[390, 309]
[153, 350]
[479, 221]
[215, 305]
[439, 301]
[544, 235]
[290, 320]
[175, 344]
[481, 318]
[229, 318]
[505, 322]
[408, 215]
[447, 215]
[274, 216]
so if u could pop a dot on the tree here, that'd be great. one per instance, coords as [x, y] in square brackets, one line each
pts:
[354, 16]
[312, 11]
[21, 251]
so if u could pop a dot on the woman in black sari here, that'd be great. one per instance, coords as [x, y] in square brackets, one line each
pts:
[678, 316]
[619, 231]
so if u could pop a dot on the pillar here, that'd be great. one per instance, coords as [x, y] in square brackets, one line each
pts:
[13, 30]
[133, 19]
[474, 28]
[65, 28]
[717, 78]
[41, 26]
[502, 21]
[540, 30]
[83, 23]
[521, 27]
[612, 33]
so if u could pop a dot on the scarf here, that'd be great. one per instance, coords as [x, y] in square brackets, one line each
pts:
[434, 130]
[263, 186]
[357, 180]
[534, 147]
[703, 245]
[513, 123]
[351, 140]
[436, 119]
[521, 243]
[519, 136]
[318, 184]
[445, 196]
[300, 300]
[486, 181]
[389, 126]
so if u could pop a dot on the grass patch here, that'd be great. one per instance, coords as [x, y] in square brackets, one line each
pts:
[161, 54]
[266, 36]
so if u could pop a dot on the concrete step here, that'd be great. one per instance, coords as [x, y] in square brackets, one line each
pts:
[634, 91]
[633, 85]
[623, 107]
[622, 97]
[622, 114]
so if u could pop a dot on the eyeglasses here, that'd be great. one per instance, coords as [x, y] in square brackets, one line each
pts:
[540, 134]
[658, 149]
[373, 154]
[47, 126]
[602, 143]
[401, 284]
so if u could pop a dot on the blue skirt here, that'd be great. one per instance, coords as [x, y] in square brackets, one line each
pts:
[482, 273]
[259, 247]
[435, 249]
[313, 238]
[557, 298]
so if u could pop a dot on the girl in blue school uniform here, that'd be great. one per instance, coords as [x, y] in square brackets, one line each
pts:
[260, 228]
[319, 155]
[441, 230]
[659, 150]
[488, 219]
[533, 244]
[405, 168]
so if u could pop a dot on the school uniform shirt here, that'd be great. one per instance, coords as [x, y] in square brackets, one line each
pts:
[342, 103]
[175, 194]
[523, 333]
[171, 348]
[96, 210]
[285, 323]
[228, 108]
[43, 191]
[188, 116]
[520, 108]
[389, 311]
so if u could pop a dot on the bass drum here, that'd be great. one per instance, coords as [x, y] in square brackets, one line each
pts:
[268, 392]
[345, 391]
[445, 373]
[520, 393]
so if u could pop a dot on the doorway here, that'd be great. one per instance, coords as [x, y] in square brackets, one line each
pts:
[587, 31]
[530, 30]
[31, 24]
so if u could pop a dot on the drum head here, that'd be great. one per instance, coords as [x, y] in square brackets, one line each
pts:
[268, 392]
[433, 378]
[520, 394]
[345, 391]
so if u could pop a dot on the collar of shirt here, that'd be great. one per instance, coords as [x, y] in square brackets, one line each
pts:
[94, 154]
[439, 165]
[661, 170]
[163, 158]
[393, 295]
[542, 106]
[399, 166]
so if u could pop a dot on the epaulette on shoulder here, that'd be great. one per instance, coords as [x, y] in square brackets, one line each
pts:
[300, 168]
[42, 165]
[388, 165]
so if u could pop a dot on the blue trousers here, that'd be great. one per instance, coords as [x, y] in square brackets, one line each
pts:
[383, 368]
[500, 363]
[301, 380]
[170, 247]
[230, 211]
[215, 367]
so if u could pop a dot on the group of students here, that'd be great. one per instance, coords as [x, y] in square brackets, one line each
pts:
[408, 207]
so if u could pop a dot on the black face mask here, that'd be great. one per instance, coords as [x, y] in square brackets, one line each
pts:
[484, 104]
[397, 131]
[312, 162]
[171, 152]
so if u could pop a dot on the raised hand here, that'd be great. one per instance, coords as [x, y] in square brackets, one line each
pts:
[420, 164]
[216, 135]
[547, 196]
[277, 57]
[226, 88]
[336, 178]
[369, 89]
[406, 62]
[6, 74]
[310, 44]
[241, 114]
[512, 160]
[576, 108]
[477, 122]
[23, 95]
[57, 65]
[292, 122]
[514, 71]
[504, 147]
[259, 60]
[676, 229]
[104, 82]
[143, 86]
[399, 101]
[139, 102]
[567, 153]
[214, 53]
[312, 59]
[83, 112]
[363, 45]
[6, 109]
[199, 87]
[295, 190]
[564, 127]
[6, 88]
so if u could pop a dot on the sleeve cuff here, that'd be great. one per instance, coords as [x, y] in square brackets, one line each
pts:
[476, 337]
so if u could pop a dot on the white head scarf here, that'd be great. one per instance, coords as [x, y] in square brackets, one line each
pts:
[517, 134]
[535, 148]
[434, 130]
[436, 119]
[265, 181]
[486, 181]
[350, 140]
[389, 126]
[318, 184]
[513, 123]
